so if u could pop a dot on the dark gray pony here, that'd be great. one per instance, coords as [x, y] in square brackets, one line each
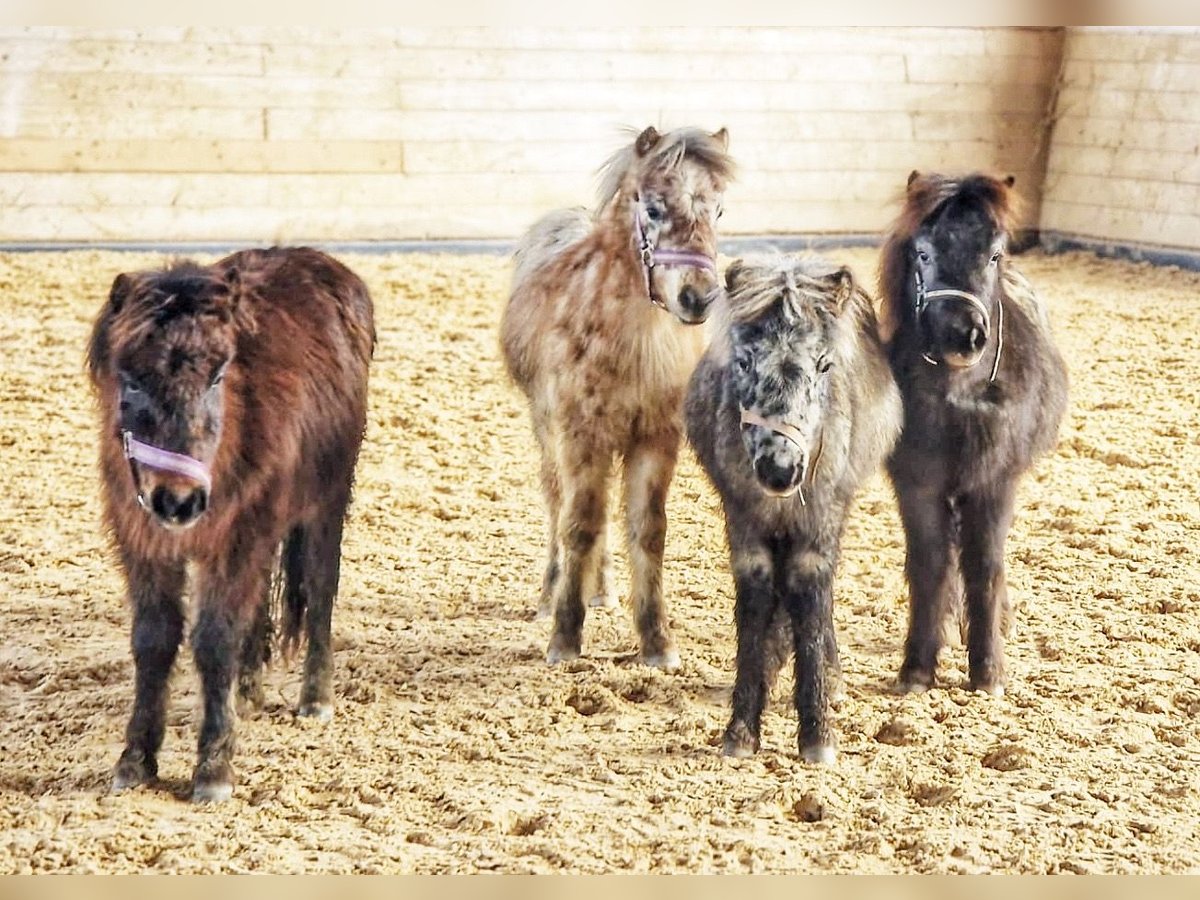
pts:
[791, 408]
[984, 390]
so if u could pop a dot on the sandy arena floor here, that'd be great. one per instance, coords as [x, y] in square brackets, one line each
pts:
[455, 748]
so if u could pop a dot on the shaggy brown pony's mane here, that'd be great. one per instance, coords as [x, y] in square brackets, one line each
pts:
[691, 143]
[926, 194]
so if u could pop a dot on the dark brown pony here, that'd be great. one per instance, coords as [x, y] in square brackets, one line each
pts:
[984, 390]
[232, 403]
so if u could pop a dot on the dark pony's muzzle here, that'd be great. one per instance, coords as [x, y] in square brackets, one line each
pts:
[173, 505]
[967, 337]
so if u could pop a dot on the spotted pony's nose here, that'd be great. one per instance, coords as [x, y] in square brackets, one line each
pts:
[773, 476]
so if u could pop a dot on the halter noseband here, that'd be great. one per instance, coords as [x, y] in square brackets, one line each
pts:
[922, 301]
[792, 433]
[164, 461]
[652, 256]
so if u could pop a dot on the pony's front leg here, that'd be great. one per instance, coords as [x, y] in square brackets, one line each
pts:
[156, 594]
[925, 514]
[226, 606]
[754, 611]
[649, 465]
[584, 477]
[808, 597]
[985, 522]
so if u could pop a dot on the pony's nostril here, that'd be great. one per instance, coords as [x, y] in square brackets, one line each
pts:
[169, 507]
[975, 338]
[163, 503]
[775, 477]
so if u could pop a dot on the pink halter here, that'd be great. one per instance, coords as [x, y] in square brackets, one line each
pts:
[164, 461]
[652, 256]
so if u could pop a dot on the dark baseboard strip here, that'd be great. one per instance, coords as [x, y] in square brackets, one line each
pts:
[1050, 241]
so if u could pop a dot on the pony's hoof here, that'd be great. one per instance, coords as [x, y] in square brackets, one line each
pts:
[837, 694]
[914, 682]
[739, 743]
[212, 782]
[560, 651]
[991, 688]
[212, 791]
[545, 611]
[605, 601]
[667, 660]
[131, 772]
[322, 712]
[819, 754]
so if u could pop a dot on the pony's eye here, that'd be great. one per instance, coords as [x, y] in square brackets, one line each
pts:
[824, 364]
[217, 377]
[720, 211]
[923, 256]
[743, 364]
[129, 385]
[654, 214]
[995, 257]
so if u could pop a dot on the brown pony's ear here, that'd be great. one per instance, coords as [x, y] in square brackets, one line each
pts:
[119, 292]
[230, 294]
[647, 141]
[912, 176]
[1010, 180]
[721, 136]
[734, 273]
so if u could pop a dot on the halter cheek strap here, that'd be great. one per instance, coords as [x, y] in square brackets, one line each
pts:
[792, 433]
[652, 256]
[922, 301]
[164, 461]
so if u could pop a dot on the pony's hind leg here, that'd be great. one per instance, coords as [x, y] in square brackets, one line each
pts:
[985, 523]
[256, 651]
[581, 521]
[156, 594]
[605, 595]
[322, 569]
[552, 493]
[649, 466]
[754, 611]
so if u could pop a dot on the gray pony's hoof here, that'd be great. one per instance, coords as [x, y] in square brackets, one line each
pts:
[132, 771]
[322, 712]
[819, 754]
[212, 782]
[605, 600]
[562, 650]
[739, 743]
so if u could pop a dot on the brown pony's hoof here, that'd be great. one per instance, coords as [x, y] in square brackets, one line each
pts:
[991, 688]
[605, 600]
[913, 682]
[212, 782]
[666, 659]
[562, 650]
[322, 712]
[133, 769]
[819, 754]
[739, 743]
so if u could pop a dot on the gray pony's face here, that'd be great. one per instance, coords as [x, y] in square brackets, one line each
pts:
[780, 369]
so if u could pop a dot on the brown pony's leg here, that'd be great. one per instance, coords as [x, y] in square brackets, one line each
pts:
[928, 531]
[322, 569]
[807, 593]
[226, 604]
[156, 594]
[584, 475]
[552, 491]
[256, 650]
[649, 465]
[985, 523]
[754, 611]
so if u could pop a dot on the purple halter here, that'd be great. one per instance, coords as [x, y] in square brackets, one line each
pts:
[652, 256]
[164, 461]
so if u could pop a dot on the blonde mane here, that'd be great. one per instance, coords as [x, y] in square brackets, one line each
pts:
[673, 147]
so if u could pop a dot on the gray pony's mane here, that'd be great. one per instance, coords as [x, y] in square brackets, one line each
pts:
[672, 148]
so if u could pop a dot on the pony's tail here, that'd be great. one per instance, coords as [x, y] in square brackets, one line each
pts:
[287, 594]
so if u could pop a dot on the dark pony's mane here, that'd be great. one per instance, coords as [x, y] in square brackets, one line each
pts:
[928, 194]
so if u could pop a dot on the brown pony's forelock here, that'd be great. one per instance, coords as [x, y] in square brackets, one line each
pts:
[671, 150]
[927, 193]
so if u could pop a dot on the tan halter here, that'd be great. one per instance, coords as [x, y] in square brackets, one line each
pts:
[792, 433]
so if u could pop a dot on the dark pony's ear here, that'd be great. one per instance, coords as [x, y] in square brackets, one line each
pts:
[721, 136]
[842, 282]
[734, 273]
[1010, 180]
[647, 141]
[119, 292]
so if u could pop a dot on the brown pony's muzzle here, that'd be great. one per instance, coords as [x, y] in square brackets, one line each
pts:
[173, 487]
